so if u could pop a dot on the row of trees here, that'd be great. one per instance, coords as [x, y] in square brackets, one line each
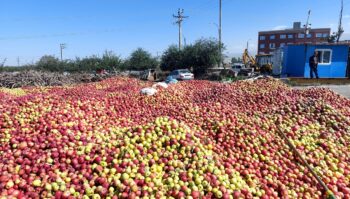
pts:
[138, 60]
[198, 56]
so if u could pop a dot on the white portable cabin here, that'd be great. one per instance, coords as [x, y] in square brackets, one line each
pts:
[277, 61]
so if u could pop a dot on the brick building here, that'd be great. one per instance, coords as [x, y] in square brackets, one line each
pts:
[269, 40]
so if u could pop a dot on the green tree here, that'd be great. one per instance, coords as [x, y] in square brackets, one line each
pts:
[332, 38]
[203, 54]
[49, 63]
[172, 59]
[140, 59]
[89, 64]
[111, 61]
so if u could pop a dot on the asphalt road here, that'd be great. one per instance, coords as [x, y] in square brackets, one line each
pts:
[343, 90]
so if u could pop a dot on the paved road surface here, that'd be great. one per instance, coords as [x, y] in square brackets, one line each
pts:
[341, 89]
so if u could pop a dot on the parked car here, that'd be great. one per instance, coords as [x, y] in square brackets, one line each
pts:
[237, 67]
[182, 74]
[241, 70]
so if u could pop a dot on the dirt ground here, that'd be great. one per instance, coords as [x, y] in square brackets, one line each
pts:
[343, 90]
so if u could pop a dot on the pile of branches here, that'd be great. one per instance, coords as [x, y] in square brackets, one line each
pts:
[40, 78]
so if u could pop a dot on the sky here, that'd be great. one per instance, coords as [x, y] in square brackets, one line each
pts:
[33, 28]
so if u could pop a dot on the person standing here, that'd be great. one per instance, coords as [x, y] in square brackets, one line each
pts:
[313, 63]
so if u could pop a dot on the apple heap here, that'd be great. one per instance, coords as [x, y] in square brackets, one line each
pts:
[195, 139]
[15, 91]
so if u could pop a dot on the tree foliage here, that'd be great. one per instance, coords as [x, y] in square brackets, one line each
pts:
[49, 63]
[200, 56]
[140, 59]
[203, 55]
[172, 59]
[108, 61]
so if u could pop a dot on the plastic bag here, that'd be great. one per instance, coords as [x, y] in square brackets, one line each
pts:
[171, 80]
[160, 84]
[148, 91]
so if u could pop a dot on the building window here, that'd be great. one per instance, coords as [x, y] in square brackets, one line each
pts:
[318, 35]
[272, 36]
[324, 56]
[262, 38]
[283, 36]
[325, 35]
[282, 45]
[262, 46]
[309, 35]
[290, 36]
[272, 45]
[301, 35]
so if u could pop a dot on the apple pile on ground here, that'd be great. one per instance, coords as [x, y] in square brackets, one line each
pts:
[195, 139]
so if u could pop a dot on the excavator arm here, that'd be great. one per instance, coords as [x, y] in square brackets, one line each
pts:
[250, 61]
[247, 59]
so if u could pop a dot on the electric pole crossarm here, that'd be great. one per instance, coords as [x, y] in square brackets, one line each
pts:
[62, 46]
[307, 25]
[179, 19]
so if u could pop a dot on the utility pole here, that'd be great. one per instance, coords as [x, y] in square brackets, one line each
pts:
[307, 26]
[62, 46]
[180, 17]
[340, 27]
[220, 29]
[335, 37]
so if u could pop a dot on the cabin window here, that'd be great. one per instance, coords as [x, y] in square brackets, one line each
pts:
[301, 35]
[318, 35]
[324, 56]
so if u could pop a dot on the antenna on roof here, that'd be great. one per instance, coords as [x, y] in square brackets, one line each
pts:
[307, 26]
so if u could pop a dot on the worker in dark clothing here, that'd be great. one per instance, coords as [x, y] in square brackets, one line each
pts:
[313, 63]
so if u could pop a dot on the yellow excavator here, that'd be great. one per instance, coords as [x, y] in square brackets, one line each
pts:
[261, 63]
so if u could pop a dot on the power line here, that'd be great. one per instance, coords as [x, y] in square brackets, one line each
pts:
[43, 36]
[179, 19]
[200, 8]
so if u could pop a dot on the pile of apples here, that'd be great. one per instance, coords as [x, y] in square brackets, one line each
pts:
[195, 139]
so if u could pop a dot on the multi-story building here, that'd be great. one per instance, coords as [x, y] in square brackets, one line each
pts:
[270, 40]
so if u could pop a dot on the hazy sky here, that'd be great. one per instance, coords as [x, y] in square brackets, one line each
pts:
[32, 28]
